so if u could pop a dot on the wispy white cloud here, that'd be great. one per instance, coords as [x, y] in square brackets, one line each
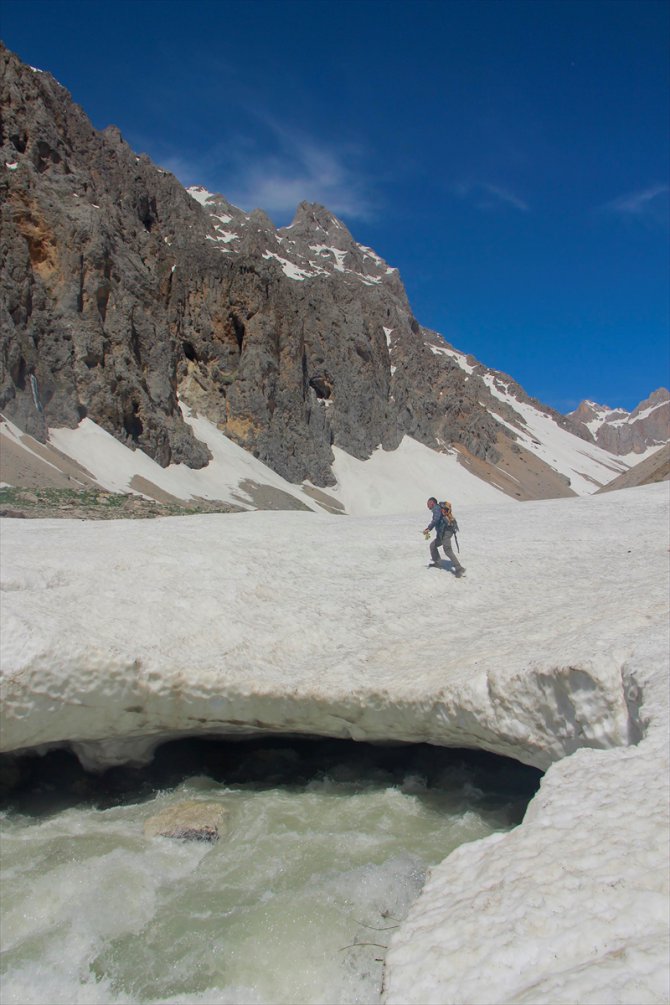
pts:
[644, 204]
[189, 172]
[487, 196]
[301, 169]
[274, 168]
[503, 195]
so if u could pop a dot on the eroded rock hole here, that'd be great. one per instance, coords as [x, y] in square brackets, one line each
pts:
[146, 211]
[19, 374]
[132, 423]
[19, 141]
[238, 330]
[322, 387]
[44, 156]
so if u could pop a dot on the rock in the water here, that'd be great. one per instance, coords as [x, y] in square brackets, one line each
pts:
[189, 821]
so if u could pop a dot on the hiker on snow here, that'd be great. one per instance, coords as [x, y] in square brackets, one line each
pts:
[444, 529]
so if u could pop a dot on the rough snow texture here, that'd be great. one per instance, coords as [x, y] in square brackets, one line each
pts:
[116, 636]
[573, 905]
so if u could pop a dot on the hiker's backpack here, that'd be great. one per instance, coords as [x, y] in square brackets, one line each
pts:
[448, 516]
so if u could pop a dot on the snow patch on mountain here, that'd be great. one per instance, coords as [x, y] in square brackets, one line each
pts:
[459, 357]
[389, 482]
[400, 481]
[586, 465]
[535, 428]
[115, 467]
[200, 194]
[291, 270]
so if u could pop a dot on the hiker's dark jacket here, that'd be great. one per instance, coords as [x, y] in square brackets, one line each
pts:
[438, 522]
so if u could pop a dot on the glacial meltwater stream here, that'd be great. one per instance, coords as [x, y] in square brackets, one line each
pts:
[324, 846]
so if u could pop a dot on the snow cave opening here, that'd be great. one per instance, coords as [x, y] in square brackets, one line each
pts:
[323, 847]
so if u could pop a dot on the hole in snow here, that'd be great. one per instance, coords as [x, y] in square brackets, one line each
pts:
[323, 845]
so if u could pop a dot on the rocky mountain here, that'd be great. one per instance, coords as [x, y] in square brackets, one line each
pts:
[623, 432]
[129, 301]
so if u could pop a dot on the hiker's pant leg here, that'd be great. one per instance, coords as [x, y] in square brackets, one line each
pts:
[434, 553]
[449, 551]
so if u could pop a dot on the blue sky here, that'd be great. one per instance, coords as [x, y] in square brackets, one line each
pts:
[510, 158]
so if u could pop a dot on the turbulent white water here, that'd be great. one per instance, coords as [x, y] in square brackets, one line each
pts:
[295, 903]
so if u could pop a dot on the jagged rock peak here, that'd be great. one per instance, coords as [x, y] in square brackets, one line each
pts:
[315, 221]
[114, 135]
[623, 432]
[589, 411]
[260, 217]
[214, 202]
[658, 397]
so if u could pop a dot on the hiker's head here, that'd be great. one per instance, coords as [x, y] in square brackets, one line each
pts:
[431, 502]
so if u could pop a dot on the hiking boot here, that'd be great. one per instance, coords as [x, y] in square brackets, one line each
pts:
[459, 571]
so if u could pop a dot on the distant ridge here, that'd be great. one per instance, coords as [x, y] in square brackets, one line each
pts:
[622, 432]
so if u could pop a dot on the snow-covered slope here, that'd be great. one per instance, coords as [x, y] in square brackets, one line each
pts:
[553, 648]
[583, 463]
[538, 429]
[389, 482]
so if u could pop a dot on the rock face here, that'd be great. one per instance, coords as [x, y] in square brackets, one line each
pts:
[623, 432]
[123, 293]
[85, 274]
[192, 820]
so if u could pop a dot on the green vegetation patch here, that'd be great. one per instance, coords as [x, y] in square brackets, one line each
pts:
[96, 504]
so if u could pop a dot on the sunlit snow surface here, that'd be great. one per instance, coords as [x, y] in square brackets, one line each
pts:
[115, 635]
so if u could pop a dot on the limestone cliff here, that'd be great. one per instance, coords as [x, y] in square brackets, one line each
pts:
[121, 293]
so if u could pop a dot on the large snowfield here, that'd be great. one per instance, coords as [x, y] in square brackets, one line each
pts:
[552, 649]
